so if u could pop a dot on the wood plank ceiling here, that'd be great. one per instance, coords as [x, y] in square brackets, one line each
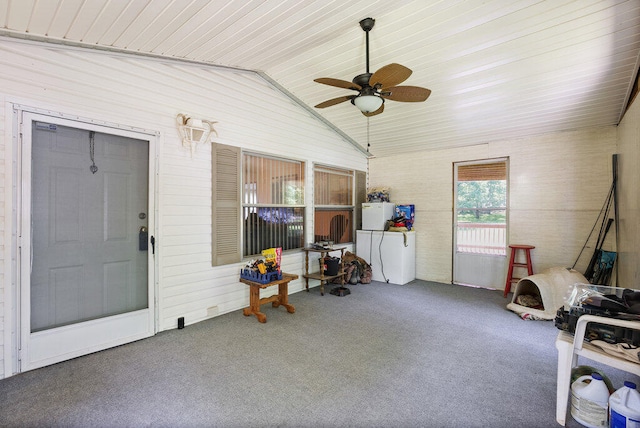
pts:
[498, 69]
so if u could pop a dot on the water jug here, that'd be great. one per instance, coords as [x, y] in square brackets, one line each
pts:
[624, 407]
[590, 401]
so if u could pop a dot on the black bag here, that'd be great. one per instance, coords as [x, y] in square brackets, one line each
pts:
[331, 265]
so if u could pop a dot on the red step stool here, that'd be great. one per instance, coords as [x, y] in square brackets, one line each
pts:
[512, 263]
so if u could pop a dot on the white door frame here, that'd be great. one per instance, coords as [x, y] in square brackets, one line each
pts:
[487, 270]
[21, 249]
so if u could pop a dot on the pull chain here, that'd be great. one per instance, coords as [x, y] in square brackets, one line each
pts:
[92, 146]
[368, 146]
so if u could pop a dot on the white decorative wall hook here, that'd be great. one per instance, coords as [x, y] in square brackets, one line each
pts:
[194, 132]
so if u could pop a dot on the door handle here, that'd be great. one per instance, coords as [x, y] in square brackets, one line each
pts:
[143, 239]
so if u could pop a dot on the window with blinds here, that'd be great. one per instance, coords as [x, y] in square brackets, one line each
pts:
[273, 208]
[334, 204]
[481, 207]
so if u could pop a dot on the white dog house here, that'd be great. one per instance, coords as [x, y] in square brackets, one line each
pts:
[549, 287]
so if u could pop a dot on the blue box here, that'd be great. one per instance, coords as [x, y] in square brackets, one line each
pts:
[408, 212]
[262, 278]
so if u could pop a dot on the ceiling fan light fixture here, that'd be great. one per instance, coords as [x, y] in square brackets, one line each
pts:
[368, 103]
[375, 88]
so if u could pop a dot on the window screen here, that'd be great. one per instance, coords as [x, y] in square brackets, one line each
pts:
[333, 199]
[272, 203]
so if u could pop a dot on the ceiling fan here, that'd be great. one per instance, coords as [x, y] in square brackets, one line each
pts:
[374, 89]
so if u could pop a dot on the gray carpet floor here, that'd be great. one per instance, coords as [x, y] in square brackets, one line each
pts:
[419, 355]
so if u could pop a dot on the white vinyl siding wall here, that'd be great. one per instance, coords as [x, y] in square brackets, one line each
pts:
[147, 93]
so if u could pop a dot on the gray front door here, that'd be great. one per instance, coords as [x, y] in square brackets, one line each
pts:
[88, 208]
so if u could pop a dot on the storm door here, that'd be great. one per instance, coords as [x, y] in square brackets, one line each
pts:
[86, 258]
[480, 223]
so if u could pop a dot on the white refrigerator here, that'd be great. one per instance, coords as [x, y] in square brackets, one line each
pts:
[392, 255]
[376, 214]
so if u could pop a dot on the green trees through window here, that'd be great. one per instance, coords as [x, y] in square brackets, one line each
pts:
[482, 201]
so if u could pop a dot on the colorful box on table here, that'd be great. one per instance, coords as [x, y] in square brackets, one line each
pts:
[407, 213]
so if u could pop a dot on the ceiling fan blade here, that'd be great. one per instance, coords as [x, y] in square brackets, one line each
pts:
[407, 94]
[373, 113]
[389, 75]
[338, 83]
[334, 101]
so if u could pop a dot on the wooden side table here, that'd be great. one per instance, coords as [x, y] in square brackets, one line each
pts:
[324, 279]
[282, 298]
